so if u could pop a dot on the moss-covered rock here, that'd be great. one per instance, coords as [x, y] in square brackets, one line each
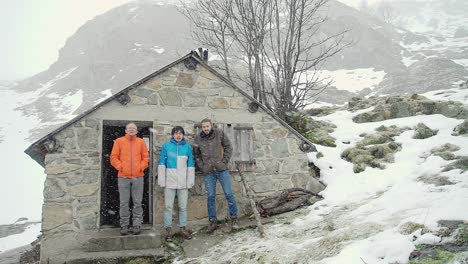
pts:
[321, 137]
[445, 147]
[461, 129]
[322, 111]
[437, 180]
[404, 106]
[421, 131]
[445, 151]
[314, 130]
[461, 163]
[380, 138]
[438, 256]
[461, 236]
[373, 156]
[454, 250]
[410, 227]
[141, 261]
[448, 227]
[374, 149]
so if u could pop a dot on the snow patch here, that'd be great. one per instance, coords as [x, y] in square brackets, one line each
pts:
[66, 105]
[383, 248]
[429, 239]
[45, 87]
[18, 240]
[354, 80]
[157, 49]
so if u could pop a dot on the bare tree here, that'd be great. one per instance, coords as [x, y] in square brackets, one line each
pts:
[278, 40]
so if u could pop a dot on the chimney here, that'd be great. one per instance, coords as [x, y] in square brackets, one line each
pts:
[201, 53]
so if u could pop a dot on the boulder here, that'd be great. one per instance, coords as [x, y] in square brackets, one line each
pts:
[405, 106]
[436, 180]
[374, 149]
[461, 164]
[421, 131]
[461, 129]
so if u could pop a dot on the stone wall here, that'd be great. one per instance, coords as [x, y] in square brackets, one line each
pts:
[178, 96]
[71, 190]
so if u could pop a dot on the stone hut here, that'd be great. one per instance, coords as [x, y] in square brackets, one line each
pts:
[80, 211]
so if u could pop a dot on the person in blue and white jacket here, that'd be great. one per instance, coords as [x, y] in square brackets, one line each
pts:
[176, 174]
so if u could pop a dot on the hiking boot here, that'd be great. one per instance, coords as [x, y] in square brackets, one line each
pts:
[124, 230]
[235, 223]
[136, 230]
[213, 226]
[185, 233]
[168, 236]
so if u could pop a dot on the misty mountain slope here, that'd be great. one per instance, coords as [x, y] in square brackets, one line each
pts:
[437, 53]
[377, 216]
[126, 43]
[439, 17]
[375, 44]
[105, 55]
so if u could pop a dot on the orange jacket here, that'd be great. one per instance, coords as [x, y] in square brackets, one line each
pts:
[129, 156]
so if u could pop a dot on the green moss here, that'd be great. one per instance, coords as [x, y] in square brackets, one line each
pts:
[420, 246]
[315, 131]
[320, 137]
[385, 128]
[376, 139]
[441, 257]
[409, 227]
[140, 261]
[298, 121]
[461, 238]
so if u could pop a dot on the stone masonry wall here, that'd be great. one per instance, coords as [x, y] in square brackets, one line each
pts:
[71, 190]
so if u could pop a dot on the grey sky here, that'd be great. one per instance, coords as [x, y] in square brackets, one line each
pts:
[33, 31]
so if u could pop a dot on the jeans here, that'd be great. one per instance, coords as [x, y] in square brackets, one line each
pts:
[210, 185]
[133, 187]
[182, 197]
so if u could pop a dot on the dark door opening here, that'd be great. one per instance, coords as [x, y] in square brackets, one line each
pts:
[109, 188]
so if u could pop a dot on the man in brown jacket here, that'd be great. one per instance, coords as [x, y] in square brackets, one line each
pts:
[212, 150]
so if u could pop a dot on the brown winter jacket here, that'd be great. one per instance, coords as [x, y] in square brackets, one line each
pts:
[129, 156]
[212, 152]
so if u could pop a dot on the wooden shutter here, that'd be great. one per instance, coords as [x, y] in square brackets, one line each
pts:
[241, 138]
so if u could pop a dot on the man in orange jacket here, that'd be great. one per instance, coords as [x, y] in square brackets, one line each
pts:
[130, 157]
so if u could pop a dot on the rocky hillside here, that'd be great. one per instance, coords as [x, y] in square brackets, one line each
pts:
[396, 173]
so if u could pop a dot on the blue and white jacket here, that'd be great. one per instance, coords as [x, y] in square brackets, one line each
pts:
[176, 169]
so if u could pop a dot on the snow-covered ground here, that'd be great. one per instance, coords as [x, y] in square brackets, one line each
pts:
[18, 240]
[359, 218]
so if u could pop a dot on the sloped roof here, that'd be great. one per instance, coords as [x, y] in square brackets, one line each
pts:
[37, 150]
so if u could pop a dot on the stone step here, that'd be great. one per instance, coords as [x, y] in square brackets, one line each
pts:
[109, 241]
[111, 257]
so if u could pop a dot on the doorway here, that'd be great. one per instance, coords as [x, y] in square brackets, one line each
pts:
[109, 211]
